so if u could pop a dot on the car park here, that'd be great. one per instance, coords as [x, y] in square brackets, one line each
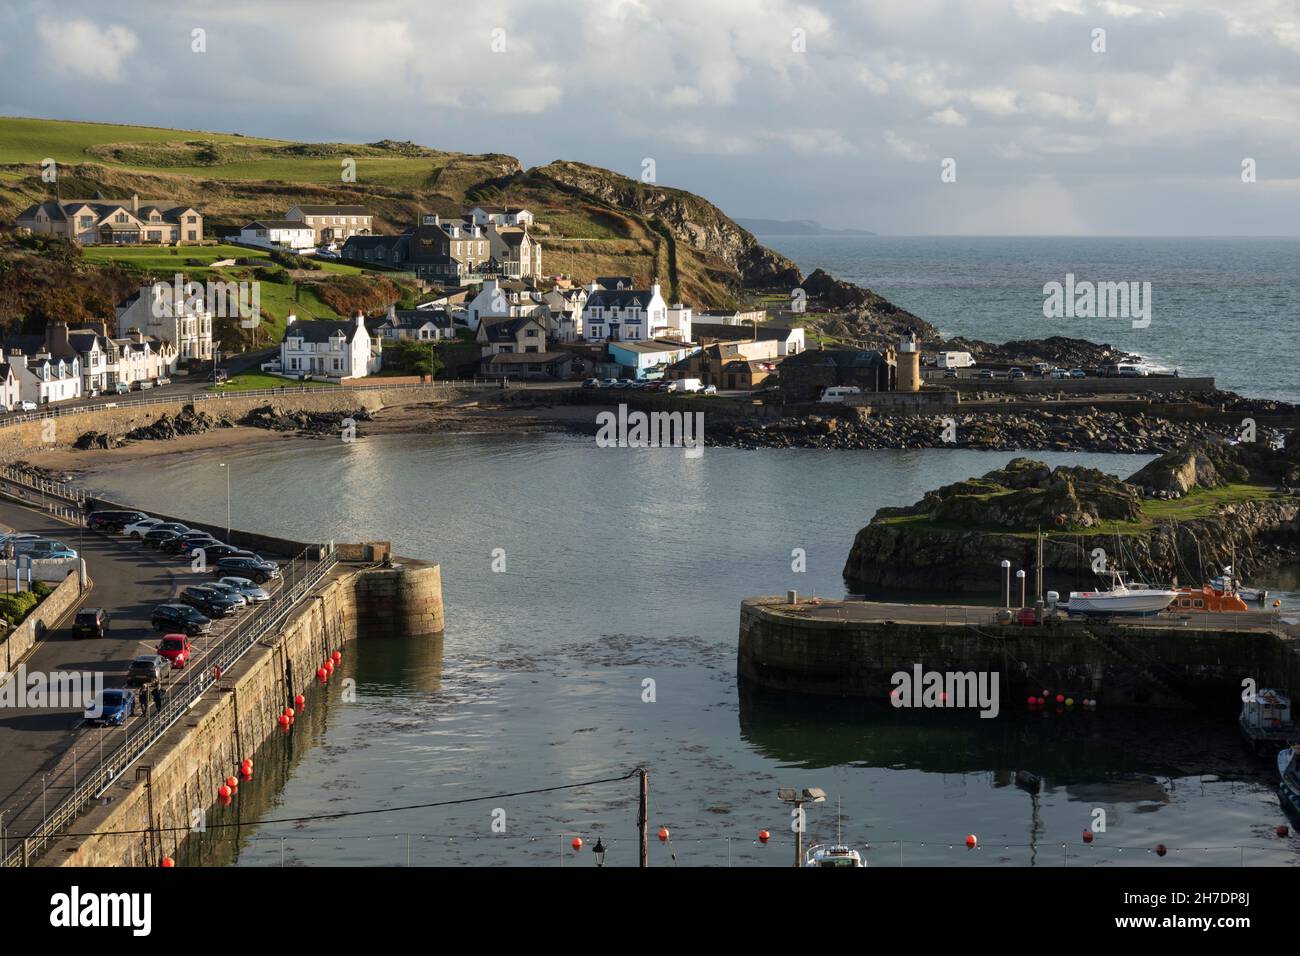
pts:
[256, 569]
[180, 617]
[138, 529]
[112, 705]
[146, 669]
[91, 622]
[253, 593]
[113, 521]
[176, 648]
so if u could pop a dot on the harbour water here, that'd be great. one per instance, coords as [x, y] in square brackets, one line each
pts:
[618, 566]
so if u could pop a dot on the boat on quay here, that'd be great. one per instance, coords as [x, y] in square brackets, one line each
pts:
[1120, 600]
[1228, 581]
[1207, 598]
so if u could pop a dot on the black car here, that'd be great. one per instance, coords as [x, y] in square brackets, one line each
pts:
[209, 600]
[179, 619]
[157, 538]
[146, 669]
[254, 568]
[184, 544]
[113, 521]
[90, 622]
[216, 551]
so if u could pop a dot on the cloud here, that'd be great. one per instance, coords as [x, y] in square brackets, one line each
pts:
[907, 149]
[83, 47]
[948, 117]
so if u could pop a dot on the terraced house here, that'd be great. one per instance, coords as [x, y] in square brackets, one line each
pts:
[107, 221]
[333, 223]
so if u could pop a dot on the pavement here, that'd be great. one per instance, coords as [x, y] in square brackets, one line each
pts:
[38, 744]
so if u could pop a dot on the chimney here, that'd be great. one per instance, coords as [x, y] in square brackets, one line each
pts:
[56, 334]
[392, 312]
[291, 319]
[654, 287]
[135, 204]
[361, 319]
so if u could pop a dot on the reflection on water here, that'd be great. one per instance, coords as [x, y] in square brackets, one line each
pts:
[625, 566]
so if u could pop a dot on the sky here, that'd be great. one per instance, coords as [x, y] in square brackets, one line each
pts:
[984, 117]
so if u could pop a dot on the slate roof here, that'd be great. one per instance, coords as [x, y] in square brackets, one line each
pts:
[321, 330]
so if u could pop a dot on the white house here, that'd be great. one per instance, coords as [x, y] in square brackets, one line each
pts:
[566, 307]
[628, 315]
[10, 391]
[678, 324]
[278, 234]
[329, 349]
[44, 379]
[501, 216]
[166, 312]
[506, 299]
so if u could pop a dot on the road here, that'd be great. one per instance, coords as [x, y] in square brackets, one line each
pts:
[38, 744]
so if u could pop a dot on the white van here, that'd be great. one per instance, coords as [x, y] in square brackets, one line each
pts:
[838, 393]
[686, 385]
[955, 360]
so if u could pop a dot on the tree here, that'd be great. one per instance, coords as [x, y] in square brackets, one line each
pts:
[419, 358]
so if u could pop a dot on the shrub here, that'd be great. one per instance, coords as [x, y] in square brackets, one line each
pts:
[15, 607]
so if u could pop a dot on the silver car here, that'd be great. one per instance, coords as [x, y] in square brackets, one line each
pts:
[251, 592]
[231, 591]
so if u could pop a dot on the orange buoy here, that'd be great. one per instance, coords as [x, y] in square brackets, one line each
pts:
[168, 863]
[576, 844]
[663, 834]
[1087, 836]
[764, 836]
[972, 842]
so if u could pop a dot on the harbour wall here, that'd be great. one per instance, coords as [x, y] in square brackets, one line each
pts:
[1122, 665]
[146, 815]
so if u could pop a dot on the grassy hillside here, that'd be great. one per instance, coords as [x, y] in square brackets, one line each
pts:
[593, 222]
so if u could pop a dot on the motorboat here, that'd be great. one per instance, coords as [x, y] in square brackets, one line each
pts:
[1228, 581]
[1120, 599]
[1266, 721]
[833, 854]
[1208, 598]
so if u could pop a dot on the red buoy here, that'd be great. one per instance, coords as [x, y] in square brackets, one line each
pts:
[299, 701]
[971, 842]
[764, 836]
[288, 712]
[248, 762]
[1281, 831]
[246, 772]
[1087, 836]
[576, 844]
[322, 674]
[663, 834]
[329, 667]
[1060, 698]
[223, 792]
[1160, 849]
[232, 783]
[1032, 700]
[336, 657]
[168, 863]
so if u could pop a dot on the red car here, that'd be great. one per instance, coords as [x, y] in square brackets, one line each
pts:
[176, 648]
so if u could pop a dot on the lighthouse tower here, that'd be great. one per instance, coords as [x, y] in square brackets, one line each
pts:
[909, 364]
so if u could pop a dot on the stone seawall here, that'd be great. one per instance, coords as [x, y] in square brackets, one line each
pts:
[1123, 666]
[151, 809]
[25, 439]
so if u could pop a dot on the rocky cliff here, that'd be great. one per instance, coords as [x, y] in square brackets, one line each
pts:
[955, 537]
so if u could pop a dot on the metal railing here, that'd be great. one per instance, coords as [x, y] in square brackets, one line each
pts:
[182, 695]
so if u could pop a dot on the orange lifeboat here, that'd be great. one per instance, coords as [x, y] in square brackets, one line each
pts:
[1207, 598]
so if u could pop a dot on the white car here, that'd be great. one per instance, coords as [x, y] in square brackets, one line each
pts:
[710, 390]
[250, 591]
[27, 405]
[138, 529]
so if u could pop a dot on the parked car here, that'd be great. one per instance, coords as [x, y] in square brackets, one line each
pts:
[609, 383]
[950, 373]
[179, 617]
[176, 648]
[173, 526]
[164, 380]
[1058, 373]
[137, 529]
[112, 705]
[591, 383]
[146, 669]
[230, 591]
[18, 536]
[258, 570]
[986, 373]
[253, 593]
[185, 545]
[158, 537]
[113, 520]
[710, 390]
[27, 405]
[212, 603]
[91, 622]
[1078, 373]
[1017, 373]
[42, 549]
[215, 552]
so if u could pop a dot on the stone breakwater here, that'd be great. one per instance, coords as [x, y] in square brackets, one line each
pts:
[1092, 431]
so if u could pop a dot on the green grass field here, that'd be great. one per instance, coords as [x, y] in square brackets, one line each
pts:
[251, 381]
[24, 140]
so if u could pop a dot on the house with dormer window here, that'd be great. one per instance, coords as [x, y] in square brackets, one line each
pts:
[624, 315]
[329, 349]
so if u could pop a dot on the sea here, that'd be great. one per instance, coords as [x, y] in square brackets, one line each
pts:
[1226, 307]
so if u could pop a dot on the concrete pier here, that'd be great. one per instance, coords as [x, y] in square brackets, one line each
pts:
[853, 648]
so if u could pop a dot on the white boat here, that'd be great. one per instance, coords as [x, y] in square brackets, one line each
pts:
[1120, 599]
[1228, 581]
[833, 854]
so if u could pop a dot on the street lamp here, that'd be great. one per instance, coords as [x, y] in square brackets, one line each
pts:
[598, 851]
[797, 799]
[1021, 576]
[227, 467]
[1006, 574]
